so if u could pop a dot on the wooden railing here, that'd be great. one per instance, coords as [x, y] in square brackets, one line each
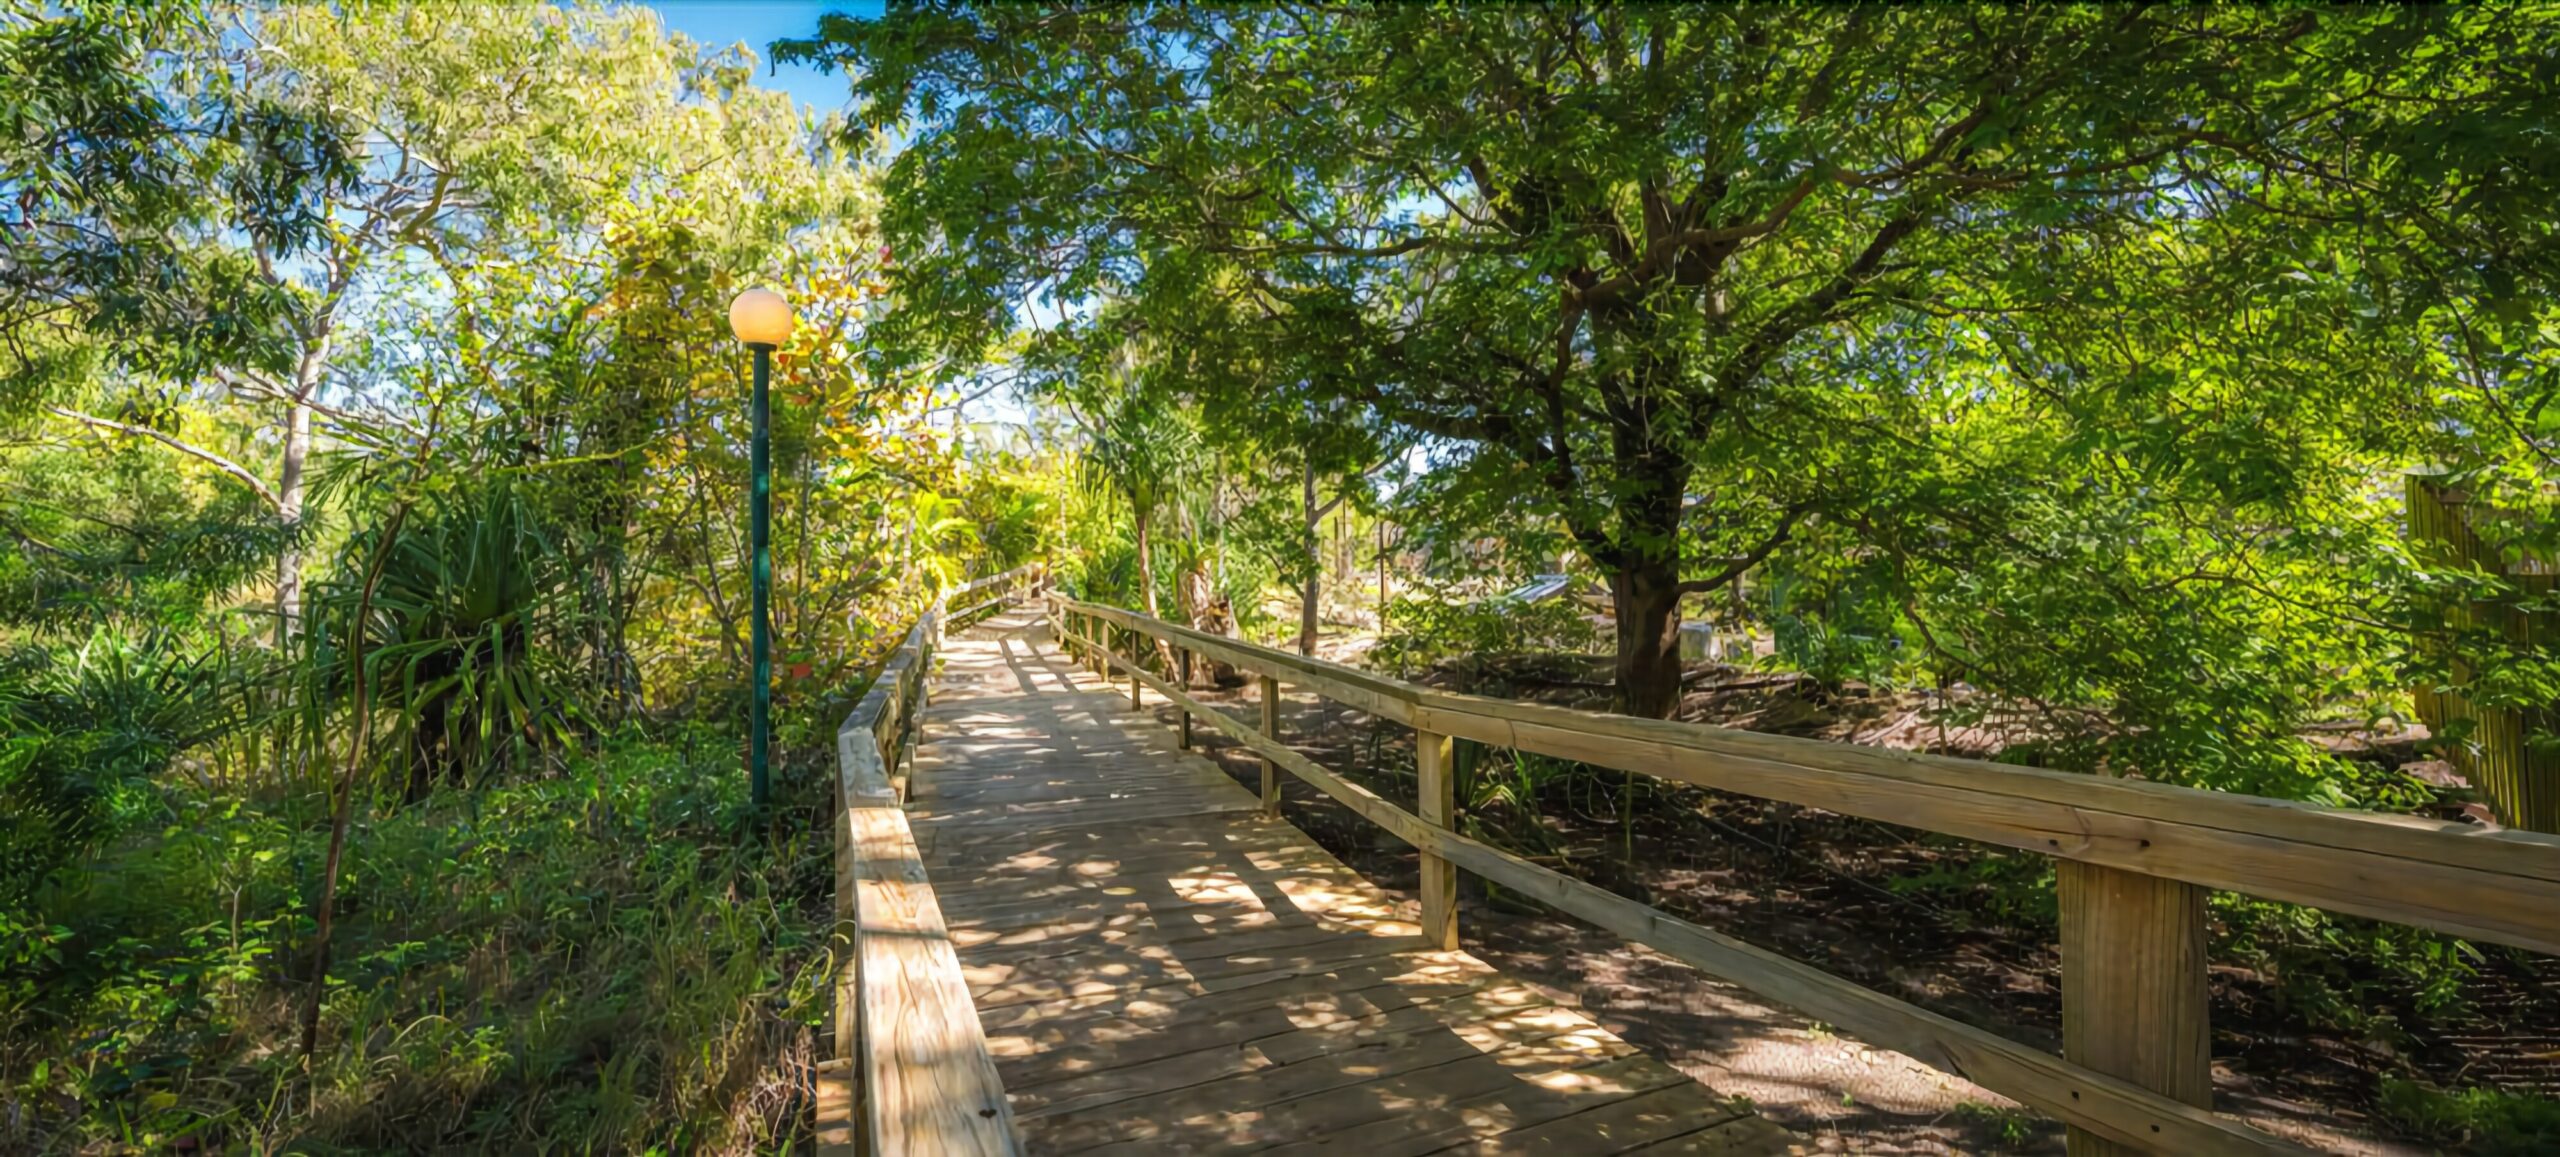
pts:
[911, 1072]
[2135, 859]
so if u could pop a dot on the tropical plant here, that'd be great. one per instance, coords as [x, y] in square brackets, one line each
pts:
[457, 640]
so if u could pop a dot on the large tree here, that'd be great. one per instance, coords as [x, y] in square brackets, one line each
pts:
[1664, 273]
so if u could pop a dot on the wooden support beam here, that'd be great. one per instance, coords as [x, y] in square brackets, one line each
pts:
[929, 1085]
[2110, 1106]
[1271, 731]
[1431, 758]
[2134, 1004]
[1183, 658]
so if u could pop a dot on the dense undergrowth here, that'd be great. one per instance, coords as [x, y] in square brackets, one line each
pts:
[612, 960]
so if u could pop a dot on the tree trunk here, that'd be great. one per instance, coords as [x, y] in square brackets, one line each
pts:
[297, 450]
[1144, 516]
[1314, 586]
[1146, 559]
[1646, 599]
[1382, 575]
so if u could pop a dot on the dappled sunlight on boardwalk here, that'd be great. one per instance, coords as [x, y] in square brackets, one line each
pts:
[1159, 968]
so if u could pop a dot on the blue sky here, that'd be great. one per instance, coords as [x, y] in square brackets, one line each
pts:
[761, 22]
[757, 23]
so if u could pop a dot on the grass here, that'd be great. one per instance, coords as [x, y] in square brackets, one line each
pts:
[602, 962]
[2479, 1120]
[2010, 1126]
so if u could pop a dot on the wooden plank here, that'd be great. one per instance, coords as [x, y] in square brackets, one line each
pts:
[1433, 1110]
[2110, 1107]
[1616, 1127]
[2117, 1109]
[2134, 1003]
[836, 1110]
[1228, 1114]
[1439, 877]
[2340, 875]
[1195, 982]
[929, 1084]
[1376, 694]
[1185, 678]
[1419, 976]
[1270, 730]
[2501, 886]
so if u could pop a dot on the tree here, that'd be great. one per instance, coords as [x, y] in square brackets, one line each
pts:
[463, 130]
[128, 152]
[1665, 274]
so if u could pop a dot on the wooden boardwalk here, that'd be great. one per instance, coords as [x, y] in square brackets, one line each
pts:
[1161, 969]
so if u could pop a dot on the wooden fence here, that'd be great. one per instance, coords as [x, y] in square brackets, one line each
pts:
[2135, 859]
[911, 1073]
[2496, 749]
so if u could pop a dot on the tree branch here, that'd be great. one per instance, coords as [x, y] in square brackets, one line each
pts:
[1760, 554]
[217, 461]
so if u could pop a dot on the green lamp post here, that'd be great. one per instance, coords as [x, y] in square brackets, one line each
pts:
[762, 320]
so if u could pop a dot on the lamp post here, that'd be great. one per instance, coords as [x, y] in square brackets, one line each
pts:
[762, 320]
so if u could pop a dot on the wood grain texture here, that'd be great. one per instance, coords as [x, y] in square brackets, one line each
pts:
[2498, 885]
[2134, 1002]
[1160, 967]
[1271, 731]
[929, 1085]
[910, 1071]
[1185, 680]
[1434, 799]
[2097, 1103]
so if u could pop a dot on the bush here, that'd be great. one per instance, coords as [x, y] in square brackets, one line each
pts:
[88, 727]
[1427, 629]
[2488, 1121]
[602, 962]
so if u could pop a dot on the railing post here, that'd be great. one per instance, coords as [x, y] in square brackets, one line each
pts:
[1134, 704]
[1270, 730]
[2134, 1003]
[1435, 804]
[1183, 660]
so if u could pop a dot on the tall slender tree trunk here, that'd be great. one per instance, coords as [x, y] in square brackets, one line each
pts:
[297, 449]
[1382, 574]
[1313, 589]
[1143, 516]
[1645, 596]
[289, 485]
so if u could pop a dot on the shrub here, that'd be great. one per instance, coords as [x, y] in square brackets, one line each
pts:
[1430, 628]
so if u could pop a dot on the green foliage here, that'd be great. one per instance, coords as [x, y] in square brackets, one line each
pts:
[456, 642]
[89, 726]
[1437, 626]
[1835, 626]
[2009, 1124]
[592, 962]
[2025, 287]
[131, 148]
[2480, 1120]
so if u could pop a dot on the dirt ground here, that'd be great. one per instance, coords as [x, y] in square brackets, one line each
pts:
[1822, 888]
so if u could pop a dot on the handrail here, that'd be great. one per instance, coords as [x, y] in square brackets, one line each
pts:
[913, 1074]
[973, 586]
[2499, 886]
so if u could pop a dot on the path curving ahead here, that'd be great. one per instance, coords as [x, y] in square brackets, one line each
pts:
[1161, 969]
